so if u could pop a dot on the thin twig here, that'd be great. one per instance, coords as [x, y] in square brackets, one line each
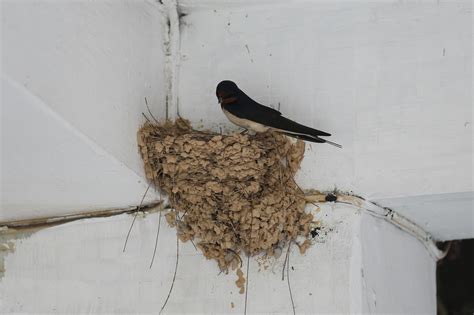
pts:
[248, 262]
[298, 186]
[156, 240]
[232, 224]
[285, 262]
[236, 255]
[149, 111]
[146, 117]
[135, 217]
[247, 283]
[159, 219]
[301, 190]
[186, 211]
[288, 280]
[193, 244]
[174, 276]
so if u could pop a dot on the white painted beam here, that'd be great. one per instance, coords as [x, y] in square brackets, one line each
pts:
[358, 265]
[78, 73]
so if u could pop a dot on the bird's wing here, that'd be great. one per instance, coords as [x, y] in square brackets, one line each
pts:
[251, 110]
[290, 126]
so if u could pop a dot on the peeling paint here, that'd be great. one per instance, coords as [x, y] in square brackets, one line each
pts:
[8, 240]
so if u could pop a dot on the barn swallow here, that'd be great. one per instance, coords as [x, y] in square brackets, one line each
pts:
[246, 113]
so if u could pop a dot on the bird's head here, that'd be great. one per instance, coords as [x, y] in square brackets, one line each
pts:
[227, 92]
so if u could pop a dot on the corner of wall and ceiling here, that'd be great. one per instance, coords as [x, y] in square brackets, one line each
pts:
[172, 56]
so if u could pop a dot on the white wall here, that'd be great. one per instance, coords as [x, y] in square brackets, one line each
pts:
[75, 77]
[391, 80]
[49, 168]
[397, 274]
[80, 267]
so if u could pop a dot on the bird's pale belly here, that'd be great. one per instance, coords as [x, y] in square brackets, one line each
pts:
[245, 123]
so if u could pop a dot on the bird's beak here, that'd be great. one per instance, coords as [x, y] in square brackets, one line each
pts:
[220, 100]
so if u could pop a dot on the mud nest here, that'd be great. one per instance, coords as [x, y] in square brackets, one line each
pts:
[231, 194]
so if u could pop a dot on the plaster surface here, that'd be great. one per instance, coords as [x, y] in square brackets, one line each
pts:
[77, 73]
[391, 80]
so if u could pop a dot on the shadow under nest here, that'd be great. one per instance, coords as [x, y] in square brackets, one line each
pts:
[231, 194]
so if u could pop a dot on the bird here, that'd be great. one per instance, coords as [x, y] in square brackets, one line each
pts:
[243, 111]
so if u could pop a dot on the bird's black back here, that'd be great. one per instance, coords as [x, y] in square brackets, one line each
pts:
[245, 107]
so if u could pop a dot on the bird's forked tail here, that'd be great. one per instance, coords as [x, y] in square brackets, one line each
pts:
[333, 143]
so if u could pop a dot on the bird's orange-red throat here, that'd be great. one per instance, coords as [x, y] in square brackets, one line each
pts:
[225, 98]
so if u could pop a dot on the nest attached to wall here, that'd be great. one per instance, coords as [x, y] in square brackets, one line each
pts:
[232, 194]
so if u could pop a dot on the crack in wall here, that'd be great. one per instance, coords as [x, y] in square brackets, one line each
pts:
[12, 232]
[61, 219]
[8, 239]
